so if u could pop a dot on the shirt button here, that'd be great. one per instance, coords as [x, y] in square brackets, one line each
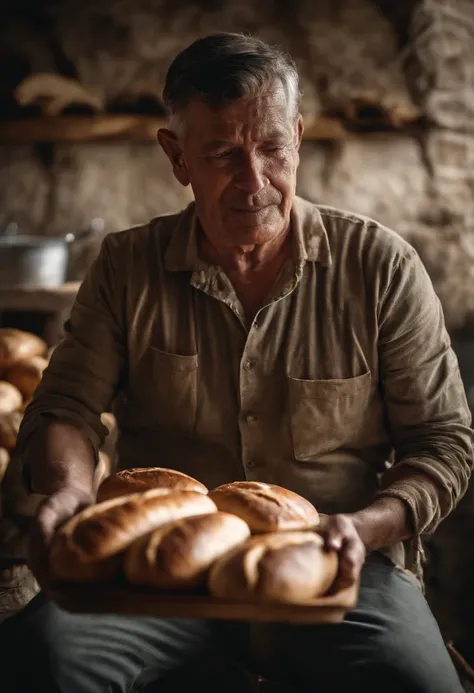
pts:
[250, 464]
[256, 325]
[250, 418]
[248, 365]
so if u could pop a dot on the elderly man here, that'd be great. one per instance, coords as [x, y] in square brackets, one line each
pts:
[255, 336]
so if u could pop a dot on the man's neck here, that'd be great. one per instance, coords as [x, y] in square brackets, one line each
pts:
[249, 261]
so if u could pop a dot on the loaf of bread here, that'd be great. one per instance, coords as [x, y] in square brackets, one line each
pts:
[16, 345]
[265, 507]
[4, 461]
[179, 554]
[144, 479]
[26, 375]
[10, 398]
[9, 427]
[89, 547]
[281, 567]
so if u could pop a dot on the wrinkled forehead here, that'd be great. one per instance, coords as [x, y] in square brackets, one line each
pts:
[255, 117]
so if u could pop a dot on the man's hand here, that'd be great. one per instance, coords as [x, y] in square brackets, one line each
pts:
[341, 535]
[56, 510]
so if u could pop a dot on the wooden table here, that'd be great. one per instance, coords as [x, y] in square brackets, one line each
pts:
[53, 303]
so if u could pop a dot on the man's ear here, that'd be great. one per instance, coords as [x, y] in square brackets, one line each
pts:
[170, 145]
[299, 131]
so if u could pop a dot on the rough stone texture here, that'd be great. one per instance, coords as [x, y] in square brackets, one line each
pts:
[25, 186]
[381, 176]
[125, 184]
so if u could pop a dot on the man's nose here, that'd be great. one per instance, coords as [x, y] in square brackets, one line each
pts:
[250, 175]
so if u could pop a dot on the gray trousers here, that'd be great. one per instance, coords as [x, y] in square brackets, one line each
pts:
[390, 642]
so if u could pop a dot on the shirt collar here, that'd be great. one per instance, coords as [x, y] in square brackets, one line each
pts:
[311, 240]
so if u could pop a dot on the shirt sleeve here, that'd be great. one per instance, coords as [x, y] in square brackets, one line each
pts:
[85, 368]
[427, 411]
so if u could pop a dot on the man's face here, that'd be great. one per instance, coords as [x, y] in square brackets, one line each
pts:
[241, 162]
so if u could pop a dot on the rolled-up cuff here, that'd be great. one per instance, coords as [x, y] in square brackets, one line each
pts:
[32, 423]
[422, 502]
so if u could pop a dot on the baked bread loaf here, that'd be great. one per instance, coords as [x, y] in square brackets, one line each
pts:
[4, 461]
[282, 567]
[179, 554]
[26, 375]
[145, 478]
[265, 507]
[88, 548]
[10, 398]
[16, 345]
[9, 427]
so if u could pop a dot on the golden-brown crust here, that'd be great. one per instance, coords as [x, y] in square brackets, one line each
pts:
[287, 567]
[178, 555]
[265, 507]
[10, 398]
[145, 478]
[26, 375]
[17, 345]
[89, 546]
[4, 462]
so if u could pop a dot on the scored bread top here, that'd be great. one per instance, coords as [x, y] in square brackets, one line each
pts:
[145, 478]
[286, 566]
[107, 528]
[265, 507]
[178, 553]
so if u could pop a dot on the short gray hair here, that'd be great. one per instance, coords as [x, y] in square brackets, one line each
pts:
[221, 68]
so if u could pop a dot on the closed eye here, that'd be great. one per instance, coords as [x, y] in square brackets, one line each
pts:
[223, 155]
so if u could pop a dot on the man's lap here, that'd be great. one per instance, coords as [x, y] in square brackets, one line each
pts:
[390, 639]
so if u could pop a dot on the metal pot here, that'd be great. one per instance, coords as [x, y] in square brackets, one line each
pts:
[37, 261]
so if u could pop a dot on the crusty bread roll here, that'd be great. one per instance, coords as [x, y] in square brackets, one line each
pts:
[16, 345]
[88, 548]
[10, 398]
[145, 478]
[103, 469]
[9, 427]
[4, 461]
[26, 375]
[265, 507]
[178, 555]
[283, 566]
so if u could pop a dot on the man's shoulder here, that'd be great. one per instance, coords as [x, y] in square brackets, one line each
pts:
[155, 234]
[349, 230]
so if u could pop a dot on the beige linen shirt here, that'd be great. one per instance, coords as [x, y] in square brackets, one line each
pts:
[348, 361]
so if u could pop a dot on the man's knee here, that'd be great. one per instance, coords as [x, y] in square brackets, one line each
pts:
[395, 664]
[45, 651]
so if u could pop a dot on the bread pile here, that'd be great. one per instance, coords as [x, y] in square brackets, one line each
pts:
[161, 529]
[23, 358]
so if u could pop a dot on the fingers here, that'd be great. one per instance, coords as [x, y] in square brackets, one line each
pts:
[340, 535]
[56, 510]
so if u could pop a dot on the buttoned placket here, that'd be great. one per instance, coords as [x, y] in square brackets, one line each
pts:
[216, 284]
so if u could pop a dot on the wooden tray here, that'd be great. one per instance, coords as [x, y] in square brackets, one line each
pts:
[129, 600]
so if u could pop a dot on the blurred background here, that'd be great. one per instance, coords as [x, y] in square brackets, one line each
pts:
[388, 102]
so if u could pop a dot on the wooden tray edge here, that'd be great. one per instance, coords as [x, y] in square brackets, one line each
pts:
[125, 600]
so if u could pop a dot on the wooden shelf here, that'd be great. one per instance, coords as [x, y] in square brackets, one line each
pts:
[122, 127]
[42, 299]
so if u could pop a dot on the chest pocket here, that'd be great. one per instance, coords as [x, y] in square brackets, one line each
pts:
[327, 414]
[164, 390]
